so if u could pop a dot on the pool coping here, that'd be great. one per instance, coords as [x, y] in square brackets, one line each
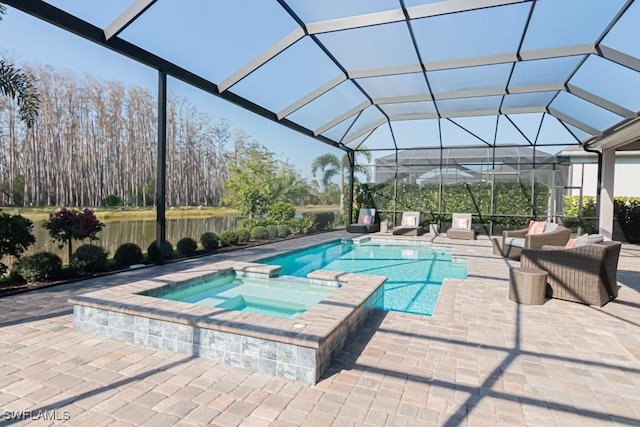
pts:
[322, 329]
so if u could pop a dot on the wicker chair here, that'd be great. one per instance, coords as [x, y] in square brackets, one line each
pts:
[559, 237]
[586, 274]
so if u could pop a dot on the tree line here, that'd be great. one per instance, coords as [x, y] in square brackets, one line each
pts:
[95, 138]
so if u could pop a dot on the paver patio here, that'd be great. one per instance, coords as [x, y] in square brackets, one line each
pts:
[480, 360]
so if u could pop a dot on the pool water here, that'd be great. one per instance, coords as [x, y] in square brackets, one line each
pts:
[415, 272]
[272, 297]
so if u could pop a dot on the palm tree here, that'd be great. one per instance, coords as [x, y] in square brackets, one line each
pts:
[17, 85]
[287, 186]
[330, 167]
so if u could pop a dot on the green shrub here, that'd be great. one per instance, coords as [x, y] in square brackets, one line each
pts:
[571, 210]
[160, 254]
[40, 266]
[283, 231]
[228, 238]
[187, 246]
[15, 236]
[251, 223]
[308, 223]
[259, 233]
[323, 220]
[627, 212]
[128, 254]
[272, 231]
[112, 200]
[508, 199]
[209, 240]
[243, 235]
[295, 225]
[281, 212]
[89, 259]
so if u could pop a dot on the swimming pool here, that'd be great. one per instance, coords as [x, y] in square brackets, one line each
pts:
[272, 297]
[415, 271]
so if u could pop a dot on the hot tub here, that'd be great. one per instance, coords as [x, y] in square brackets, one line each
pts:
[296, 342]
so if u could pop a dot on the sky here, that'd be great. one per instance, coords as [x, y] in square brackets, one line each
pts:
[216, 41]
[27, 39]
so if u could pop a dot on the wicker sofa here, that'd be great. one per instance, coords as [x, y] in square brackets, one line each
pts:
[585, 274]
[514, 241]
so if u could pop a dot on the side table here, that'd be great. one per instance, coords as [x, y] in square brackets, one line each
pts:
[527, 285]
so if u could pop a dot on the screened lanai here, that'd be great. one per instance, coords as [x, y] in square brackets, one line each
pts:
[397, 77]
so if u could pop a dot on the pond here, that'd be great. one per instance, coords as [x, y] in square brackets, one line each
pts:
[140, 232]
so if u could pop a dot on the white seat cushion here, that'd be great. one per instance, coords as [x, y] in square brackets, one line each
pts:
[514, 241]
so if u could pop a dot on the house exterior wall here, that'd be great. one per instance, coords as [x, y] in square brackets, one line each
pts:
[627, 176]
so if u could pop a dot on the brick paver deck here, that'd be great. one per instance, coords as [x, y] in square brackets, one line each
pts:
[480, 360]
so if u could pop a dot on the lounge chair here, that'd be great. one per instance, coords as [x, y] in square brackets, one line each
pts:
[366, 222]
[461, 227]
[585, 274]
[514, 241]
[410, 225]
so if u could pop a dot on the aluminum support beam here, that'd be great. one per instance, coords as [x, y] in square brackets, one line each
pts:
[549, 87]
[619, 57]
[127, 17]
[458, 114]
[359, 144]
[503, 58]
[453, 6]
[397, 15]
[266, 56]
[364, 131]
[422, 116]
[161, 168]
[600, 102]
[366, 20]
[558, 52]
[573, 122]
[385, 71]
[344, 116]
[311, 96]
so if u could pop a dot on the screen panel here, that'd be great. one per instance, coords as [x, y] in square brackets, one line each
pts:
[561, 23]
[475, 33]
[183, 33]
[373, 47]
[289, 76]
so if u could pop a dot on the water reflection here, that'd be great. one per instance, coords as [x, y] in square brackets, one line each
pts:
[142, 233]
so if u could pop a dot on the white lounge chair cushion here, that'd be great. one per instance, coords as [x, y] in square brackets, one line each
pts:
[461, 223]
[550, 226]
[514, 241]
[409, 221]
[365, 219]
[589, 240]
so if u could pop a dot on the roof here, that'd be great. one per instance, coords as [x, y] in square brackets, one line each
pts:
[390, 74]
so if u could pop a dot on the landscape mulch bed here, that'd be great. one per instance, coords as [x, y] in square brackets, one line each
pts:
[17, 286]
